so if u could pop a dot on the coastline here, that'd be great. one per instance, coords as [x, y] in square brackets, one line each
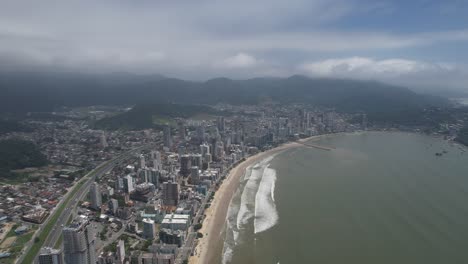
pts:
[209, 248]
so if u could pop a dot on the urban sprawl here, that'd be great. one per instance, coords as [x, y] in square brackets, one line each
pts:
[139, 196]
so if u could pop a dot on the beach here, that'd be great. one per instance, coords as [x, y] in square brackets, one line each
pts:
[209, 248]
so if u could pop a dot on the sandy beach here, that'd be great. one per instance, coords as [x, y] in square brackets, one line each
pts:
[209, 248]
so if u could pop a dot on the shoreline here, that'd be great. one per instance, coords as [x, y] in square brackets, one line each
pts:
[209, 247]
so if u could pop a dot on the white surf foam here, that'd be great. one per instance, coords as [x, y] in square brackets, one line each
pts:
[242, 207]
[266, 215]
[247, 204]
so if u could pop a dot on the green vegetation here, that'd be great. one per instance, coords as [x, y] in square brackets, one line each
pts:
[7, 126]
[18, 154]
[152, 115]
[199, 235]
[18, 245]
[145, 245]
[197, 226]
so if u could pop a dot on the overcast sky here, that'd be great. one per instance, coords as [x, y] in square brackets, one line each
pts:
[416, 43]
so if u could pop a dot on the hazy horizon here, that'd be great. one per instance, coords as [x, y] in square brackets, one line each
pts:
[421, 44]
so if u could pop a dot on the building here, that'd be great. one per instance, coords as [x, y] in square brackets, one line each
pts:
[167, 137]
[176, 222]
[219, 150]
[204, 149]
[156, 158]
[149, 231]
[153, 177]
[79, 242]
[195, 175]
[120, 252]
[104, 140]
[128, 184]
[113, 205]
[197, 160]
[95, 196]
[142, 161]
[49, 255]
[168, 236]
[221, 123]
[143, 192]
[201, 133]
[185, 164]
[36, 216]
[181, 130]
[170, 193]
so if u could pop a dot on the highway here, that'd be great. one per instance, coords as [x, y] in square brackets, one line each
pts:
[71, 203]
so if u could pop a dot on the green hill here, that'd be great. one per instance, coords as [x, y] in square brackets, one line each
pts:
[145, 116]
[19, 154]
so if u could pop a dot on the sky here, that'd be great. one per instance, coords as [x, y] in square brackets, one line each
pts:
[417, 43]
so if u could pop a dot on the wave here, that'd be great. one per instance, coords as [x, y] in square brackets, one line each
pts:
[247, 203]
[254, 199]
[266, 215]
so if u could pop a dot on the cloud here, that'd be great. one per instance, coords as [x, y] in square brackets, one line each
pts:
[361, 66]
[207, 38]
[240, 60]
[394, 70]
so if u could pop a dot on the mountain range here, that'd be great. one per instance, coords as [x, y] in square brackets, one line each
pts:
[34, 92]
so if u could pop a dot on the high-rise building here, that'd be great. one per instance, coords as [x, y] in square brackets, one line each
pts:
[49, 255]
[113, 205]
[79, 242]
[195, 175]
[201, 133]
[185, 164]
[181, 130]
[170, 193]
[128, 184]
[219, 150]
[95, 196]
[156, 158]
[204, 149]
[142, 161]
[221, 123]
[120, 252]
[153, 177]
[167, 137]
[197, 160]
[104, 140]
[149, 231]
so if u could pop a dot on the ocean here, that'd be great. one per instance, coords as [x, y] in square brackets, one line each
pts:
[377, 197]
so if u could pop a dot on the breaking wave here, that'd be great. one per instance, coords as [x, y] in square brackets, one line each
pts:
[255, 200]
[266, 215]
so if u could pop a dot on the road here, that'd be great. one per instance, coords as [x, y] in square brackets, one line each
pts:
[71, 203]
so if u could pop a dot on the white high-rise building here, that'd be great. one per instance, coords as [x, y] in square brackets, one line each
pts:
[104, 140]
[128, 184]
[95, 196]
[79, 242]
[156, 158]
[149, 231]
[142, 161]
[120, 252]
